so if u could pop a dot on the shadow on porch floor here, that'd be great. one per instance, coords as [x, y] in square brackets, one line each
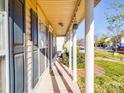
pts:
[59, 80]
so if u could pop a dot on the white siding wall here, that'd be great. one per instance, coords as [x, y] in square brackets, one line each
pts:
[60, 42]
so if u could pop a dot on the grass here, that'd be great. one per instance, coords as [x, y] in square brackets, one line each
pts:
[105, 54]
[112, 68]
[80, 65]
[112, 82]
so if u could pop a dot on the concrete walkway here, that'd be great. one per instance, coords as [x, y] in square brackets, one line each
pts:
[59, 81]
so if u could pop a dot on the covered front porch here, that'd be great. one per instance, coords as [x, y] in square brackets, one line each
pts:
[32, 28]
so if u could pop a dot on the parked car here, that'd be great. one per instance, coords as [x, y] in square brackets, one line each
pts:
[119, 47]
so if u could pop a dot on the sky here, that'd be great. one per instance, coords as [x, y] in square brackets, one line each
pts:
[99, 18]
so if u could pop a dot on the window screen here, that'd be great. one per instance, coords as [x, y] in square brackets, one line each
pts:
[35, 69]
[19, 73]
[34, 28]
[42, 35]
[18, 26]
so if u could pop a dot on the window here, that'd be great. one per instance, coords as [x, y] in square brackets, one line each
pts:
[35, 69]
[43, 47]
[34, 39]
[34, 28]
[47, 47]
[18, 24]
[42, 35]
[42, 60]
[19, 73]
[2, 5]
[47, 40]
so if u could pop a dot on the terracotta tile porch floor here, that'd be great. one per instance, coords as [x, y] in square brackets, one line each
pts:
[59, 81]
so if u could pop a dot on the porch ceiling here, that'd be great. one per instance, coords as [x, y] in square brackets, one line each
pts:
[60, 13]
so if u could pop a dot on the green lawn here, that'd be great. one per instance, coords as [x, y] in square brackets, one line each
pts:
[105, 54]
[112, 82]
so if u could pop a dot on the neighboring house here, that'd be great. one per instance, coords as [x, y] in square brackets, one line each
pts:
[108, 41]
[119, 39]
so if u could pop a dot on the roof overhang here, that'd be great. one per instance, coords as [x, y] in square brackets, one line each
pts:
[60, 13]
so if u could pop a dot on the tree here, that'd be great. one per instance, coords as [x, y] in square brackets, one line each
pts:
[115, 19]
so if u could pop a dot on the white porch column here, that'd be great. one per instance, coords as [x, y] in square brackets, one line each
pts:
[74, 56]
[89, 47]
[70, 52]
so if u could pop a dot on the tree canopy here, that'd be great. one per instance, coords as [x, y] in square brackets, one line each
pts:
[115, 18]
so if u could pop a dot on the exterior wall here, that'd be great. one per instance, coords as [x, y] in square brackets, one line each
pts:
[59, 42]
[122, 40]
[28, 50]
[29, 45]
